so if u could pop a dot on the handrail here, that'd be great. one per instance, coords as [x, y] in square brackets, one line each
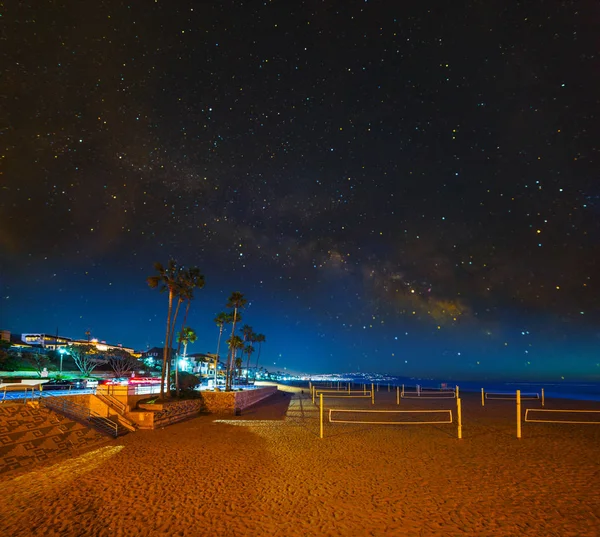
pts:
[112, 402]
[69, 408]
[120, 410]
[13, 387]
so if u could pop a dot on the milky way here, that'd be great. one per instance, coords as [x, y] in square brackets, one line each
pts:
[396, 187]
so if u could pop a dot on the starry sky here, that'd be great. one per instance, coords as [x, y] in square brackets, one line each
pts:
[396, 187]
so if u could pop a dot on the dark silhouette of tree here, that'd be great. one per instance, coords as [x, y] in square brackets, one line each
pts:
[221, 320]
[234, 343]
[121, 362]
[248, 349]
[260, 339]
[167, 279]
[38, 360]
[186, 337]
[86, 358]
[237, 302]
[189, 281]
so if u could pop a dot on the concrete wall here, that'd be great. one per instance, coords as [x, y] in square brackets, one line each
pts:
[235, 402]
[152, 416]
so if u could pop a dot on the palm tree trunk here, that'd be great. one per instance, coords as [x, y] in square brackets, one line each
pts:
[247, 367]
[257, 357]
[230, 361]
[171, 346]
[218, 347]
[166, 351]
[187, 309]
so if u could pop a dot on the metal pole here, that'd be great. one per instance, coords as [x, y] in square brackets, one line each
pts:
[542, 397]
[457, 393]
[518, 413]
[482, 398]
[397, 395]
[321, 413]
[372, 394]
[459, 413]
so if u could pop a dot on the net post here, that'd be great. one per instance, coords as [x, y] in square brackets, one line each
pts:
[348, 387]
[482, 398]
[457, 392]
[459, 416]
[313, 394]
[542, 397]
[364, 389]
[321, 413]
[372, 394]
[403, 390]
[518, 413]
[397, 395]
[310, 386]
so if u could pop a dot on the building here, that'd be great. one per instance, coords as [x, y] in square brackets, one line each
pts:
[102, 346]
[56, 342]
[200, 363]
[46, 341]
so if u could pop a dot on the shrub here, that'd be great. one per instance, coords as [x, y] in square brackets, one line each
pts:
[187, 381]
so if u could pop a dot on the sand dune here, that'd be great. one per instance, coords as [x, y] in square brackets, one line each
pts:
[268, 473]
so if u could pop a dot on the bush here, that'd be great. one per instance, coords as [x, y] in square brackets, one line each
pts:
[187, 381]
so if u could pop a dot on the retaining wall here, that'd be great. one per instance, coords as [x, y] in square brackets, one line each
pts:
[235, 402]
[152, 416]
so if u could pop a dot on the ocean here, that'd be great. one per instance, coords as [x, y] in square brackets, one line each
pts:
[582, 390]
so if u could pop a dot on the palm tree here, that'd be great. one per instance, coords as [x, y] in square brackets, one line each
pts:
[247, 332]
[166, 279]
[237, 302]
[190, 280]
[186, 337]
[248, 349]
[260, 339]
[221, 320]
[235, 343]
[238, 367]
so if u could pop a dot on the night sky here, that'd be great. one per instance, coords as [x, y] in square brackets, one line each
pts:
[396, 187]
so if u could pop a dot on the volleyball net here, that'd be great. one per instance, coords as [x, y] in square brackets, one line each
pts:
[342, 395]
[390, 417]
[445, 394]
[511, 396]
[544, 415]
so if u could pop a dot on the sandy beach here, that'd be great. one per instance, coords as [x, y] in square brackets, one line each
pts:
[268, 473]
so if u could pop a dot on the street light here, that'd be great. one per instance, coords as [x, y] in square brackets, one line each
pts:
[62, 353]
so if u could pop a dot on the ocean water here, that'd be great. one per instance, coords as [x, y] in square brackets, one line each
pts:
[582, 391]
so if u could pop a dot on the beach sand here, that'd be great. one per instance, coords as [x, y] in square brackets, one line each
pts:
[268, 473]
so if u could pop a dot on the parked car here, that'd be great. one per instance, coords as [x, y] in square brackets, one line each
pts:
[64, 384]
[91, 383]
